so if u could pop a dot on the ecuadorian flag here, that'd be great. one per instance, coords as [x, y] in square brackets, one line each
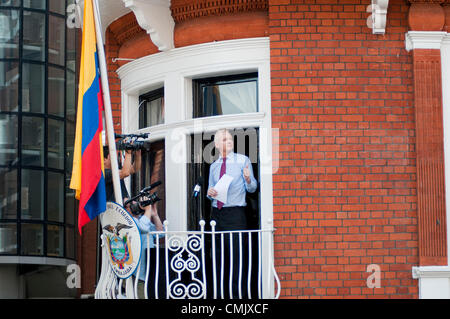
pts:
[88, 175]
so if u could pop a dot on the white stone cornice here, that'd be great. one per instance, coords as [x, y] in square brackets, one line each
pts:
[243, 54]
[431, 272]
[446, 39]
[424, 40]
[379, 9]
[154, 16]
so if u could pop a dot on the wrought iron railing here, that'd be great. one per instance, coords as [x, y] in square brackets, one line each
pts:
[198, 265]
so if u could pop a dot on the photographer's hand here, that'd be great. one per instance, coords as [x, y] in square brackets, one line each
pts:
[155, 217]
[137, 162]
[148, 211]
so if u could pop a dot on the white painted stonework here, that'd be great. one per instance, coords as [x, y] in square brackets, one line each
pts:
[174, 70]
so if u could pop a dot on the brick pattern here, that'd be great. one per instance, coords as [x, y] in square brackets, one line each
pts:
[220, 28]
[430, 158]
[345, 192]
[112, 51]
[183, 10]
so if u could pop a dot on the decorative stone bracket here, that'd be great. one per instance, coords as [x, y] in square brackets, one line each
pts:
[377, 20]
[154, 16]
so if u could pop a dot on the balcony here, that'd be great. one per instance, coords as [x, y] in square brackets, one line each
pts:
[198, 265]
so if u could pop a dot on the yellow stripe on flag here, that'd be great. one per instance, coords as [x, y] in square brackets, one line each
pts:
[87, 76]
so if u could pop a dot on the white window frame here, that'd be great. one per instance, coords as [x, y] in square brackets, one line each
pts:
[175, 70]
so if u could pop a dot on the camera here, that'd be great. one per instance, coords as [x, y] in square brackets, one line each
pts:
[143, 199]
[136, 206]
[131, 142]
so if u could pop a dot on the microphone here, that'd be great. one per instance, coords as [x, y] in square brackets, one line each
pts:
[198, 186]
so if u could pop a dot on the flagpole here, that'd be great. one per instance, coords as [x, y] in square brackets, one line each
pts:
[107, 106]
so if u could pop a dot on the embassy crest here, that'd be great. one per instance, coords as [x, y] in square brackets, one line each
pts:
[123, 240]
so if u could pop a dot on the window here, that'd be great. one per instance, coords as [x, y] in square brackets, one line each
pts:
[207, 71]
[56, 39]
[152, 170]
[34, 36]
[226, 95]
[205, 66]
[33, 81]
[151, 110]
[37, 127]
[9, 33]
[8, 238]
[8, 139]
[9, 86]
[8, 193]
[203, 154]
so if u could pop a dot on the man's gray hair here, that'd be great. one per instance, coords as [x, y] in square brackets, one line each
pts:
[217, 135]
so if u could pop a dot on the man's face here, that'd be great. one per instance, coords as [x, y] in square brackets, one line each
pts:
[225, 143]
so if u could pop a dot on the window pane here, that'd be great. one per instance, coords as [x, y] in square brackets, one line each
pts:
[32, 239]
[231, 98]
[56, 91]
[56, 42]
[9, 33]
[56, 144]
[33, 36]
[8, 140]
[70, 96]
[35, 4]
[70, 193]
[152, 170]
[55, 197]
[9, 86]
[70, 203]
[14, 3]
[57, 6]
[8, 194]
[151, 110]
[32, 141]
[155, 112]
[32, 194]
[8, 238]
[71, 49]
[33, 82]
[55, 241]
[70, 242]
[70, 139]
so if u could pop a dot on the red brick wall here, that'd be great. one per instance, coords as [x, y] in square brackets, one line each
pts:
[345, 193]
[220, 28]
[112, 51]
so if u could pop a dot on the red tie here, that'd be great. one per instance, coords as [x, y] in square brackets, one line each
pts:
[223, 169]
